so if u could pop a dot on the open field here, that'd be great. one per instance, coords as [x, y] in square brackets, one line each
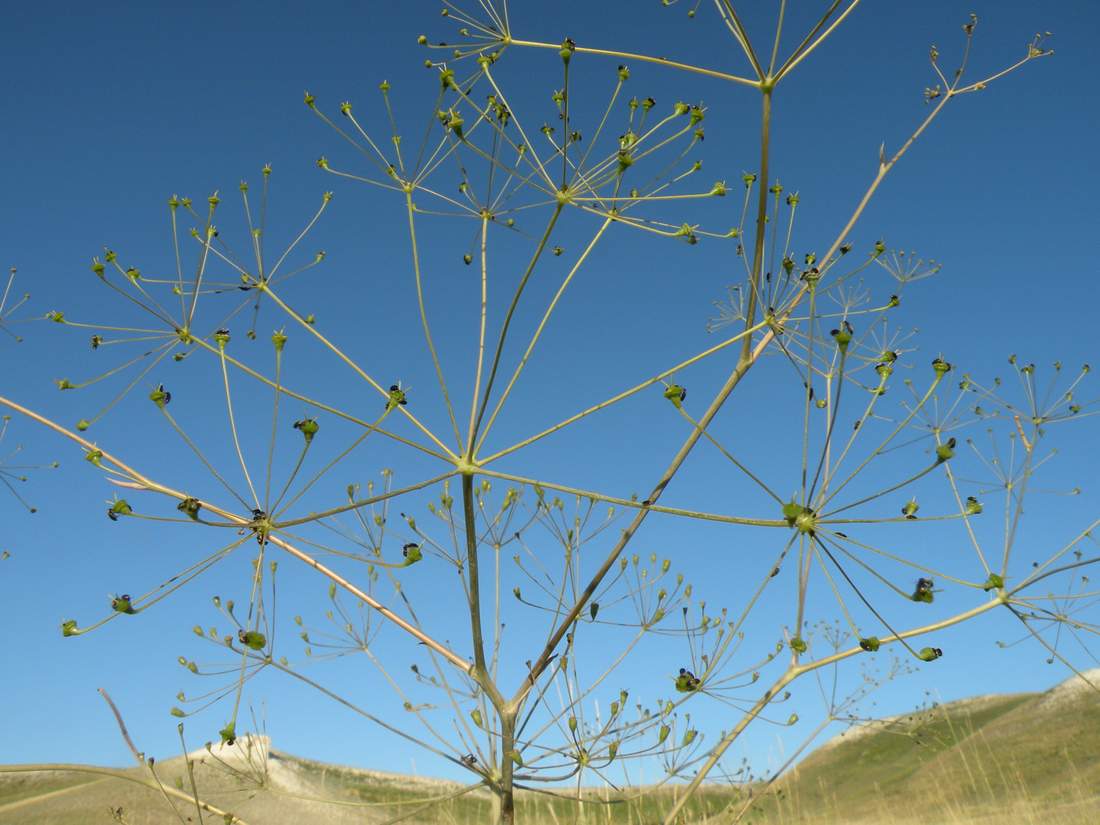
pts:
[1020, 758]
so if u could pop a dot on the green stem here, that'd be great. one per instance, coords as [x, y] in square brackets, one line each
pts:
[411, 209]
[480, 335]
[661, 61]
[472, 566]
[511, 311]
[626, 502]
[539, 329]
[761, 217]
[266, 288]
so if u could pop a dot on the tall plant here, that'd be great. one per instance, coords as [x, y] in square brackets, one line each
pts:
[560, 554]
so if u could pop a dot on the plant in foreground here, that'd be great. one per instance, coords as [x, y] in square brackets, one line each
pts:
[832, 515]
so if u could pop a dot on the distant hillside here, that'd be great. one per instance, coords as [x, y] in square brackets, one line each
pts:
[1029, 758]
[1020, 758]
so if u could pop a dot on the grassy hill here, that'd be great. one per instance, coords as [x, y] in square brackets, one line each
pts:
[1020, 758]
[1032, 759]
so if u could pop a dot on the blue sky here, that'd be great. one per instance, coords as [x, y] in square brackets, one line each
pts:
[111, 110]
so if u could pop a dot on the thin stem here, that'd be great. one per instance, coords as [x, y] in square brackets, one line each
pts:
[358, 370]
[325, 407]
[661, 61]
[799, 56]
[538, 331]
[648, 505]
[274, 427]
[878, 450]
[355, 505]
[761, 218]
[155, 487]
[480, 336]
[729, 15]
[778, 34]
[726, 453]
[411, 209]
[233, 429]
[649, 382]
[511, 311]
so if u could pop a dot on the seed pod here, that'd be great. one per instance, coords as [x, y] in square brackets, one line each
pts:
[945, 451]
[675, 393]
[119, 508]
[687, 681]
[842, 336]
[190, 506]
[396, 397]
[412, 553]
[252, 639]
[122, 604]
[923, 591]
[791, 511]
[228, 734]
[929, 654]
[308, 428]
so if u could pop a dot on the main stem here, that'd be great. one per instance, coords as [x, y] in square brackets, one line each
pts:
[480, 673]
[502, 788]
[761, 215]
[505, 791]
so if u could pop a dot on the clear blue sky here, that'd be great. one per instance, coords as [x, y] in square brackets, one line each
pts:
[112, 108]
